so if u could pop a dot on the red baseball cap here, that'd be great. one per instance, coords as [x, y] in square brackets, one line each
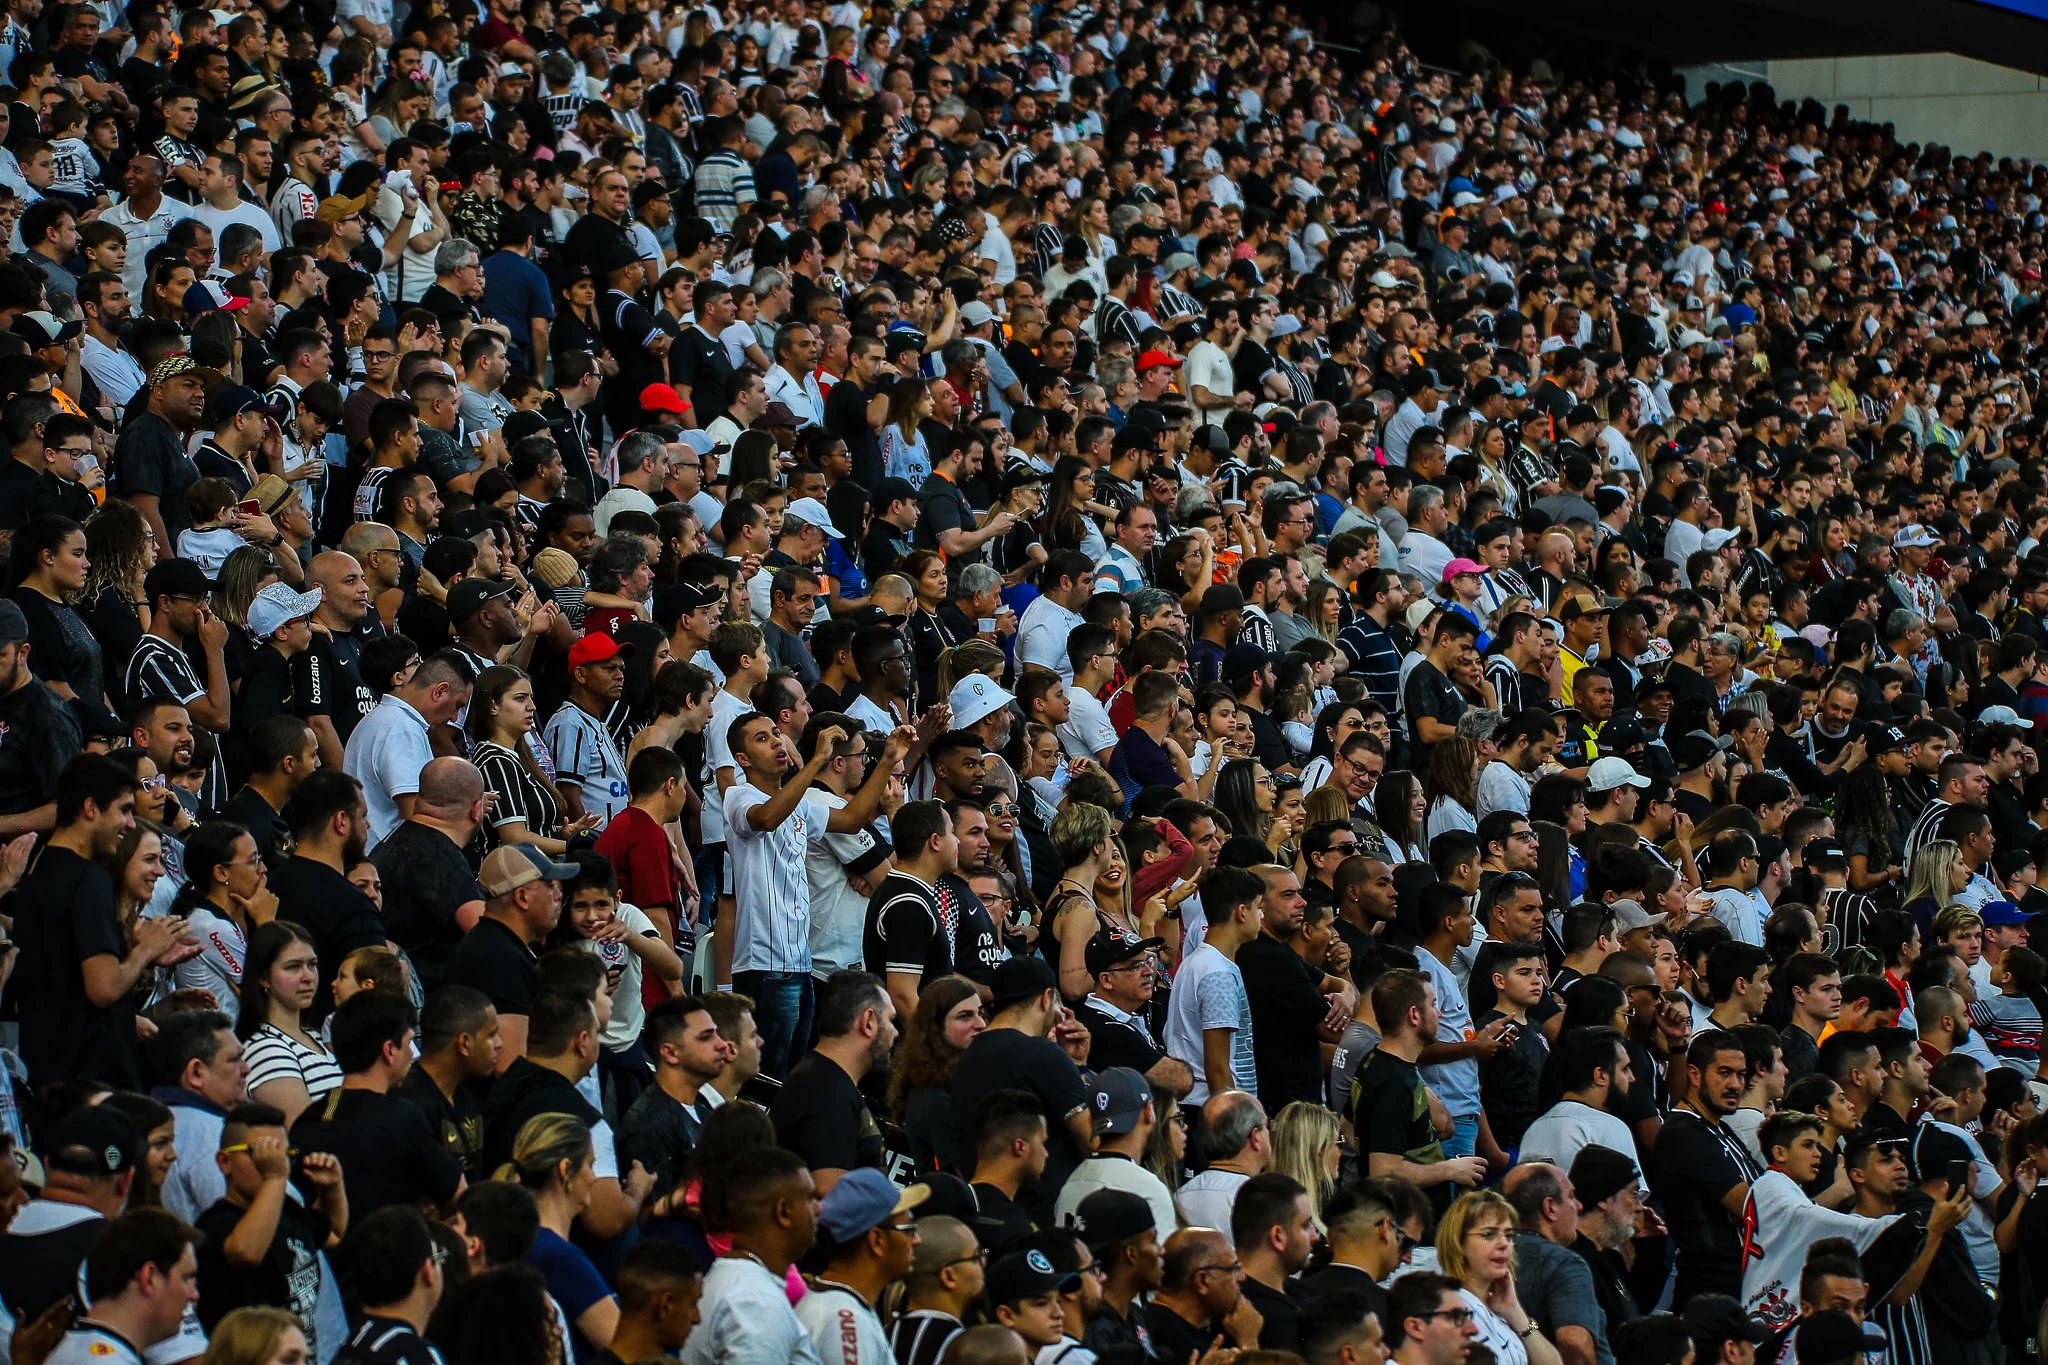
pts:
[1154, 359]
[595, 648]
[662, 398]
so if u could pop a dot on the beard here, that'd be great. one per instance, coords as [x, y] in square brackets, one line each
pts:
[355, 848]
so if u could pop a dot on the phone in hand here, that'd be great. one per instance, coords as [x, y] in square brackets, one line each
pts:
[1958, 1176]
[249, 507]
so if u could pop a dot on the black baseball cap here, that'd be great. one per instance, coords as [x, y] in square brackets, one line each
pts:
[1108, 1216]
[1025, 1274]
[1715, 1318]
[1833, 1335]
[1112, 946]
[175, 578]
[1022, 978]
[94, 1140]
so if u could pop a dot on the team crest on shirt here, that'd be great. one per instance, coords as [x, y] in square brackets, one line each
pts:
[99, 1348]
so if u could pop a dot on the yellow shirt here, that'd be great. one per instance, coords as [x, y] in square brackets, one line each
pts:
[1571, 664]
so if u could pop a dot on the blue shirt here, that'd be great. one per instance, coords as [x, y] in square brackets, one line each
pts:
[515, 293]
[572, 1280]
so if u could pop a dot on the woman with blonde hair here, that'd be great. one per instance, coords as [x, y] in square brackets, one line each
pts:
[1937, 874]
[1305, 1146]
[1475, 1245]
[551, 1157]
[256, 1336]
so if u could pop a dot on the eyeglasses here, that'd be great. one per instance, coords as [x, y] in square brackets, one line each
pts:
[978, 1258]
[1266, 781]
[245, 1146]
[1002, 808]
[907, 1229]
[1234, 1268]
[1457, 1317]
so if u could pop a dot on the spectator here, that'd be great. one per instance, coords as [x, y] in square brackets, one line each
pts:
[203, 1076]
[496, 957]
[1274, 1231]
[459, 1046]
[387, 1152]
[1121, 1106]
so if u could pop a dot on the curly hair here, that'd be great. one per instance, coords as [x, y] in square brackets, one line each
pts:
[118, 542]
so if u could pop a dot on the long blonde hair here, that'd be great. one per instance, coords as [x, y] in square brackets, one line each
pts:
[248, 1336]
[1303, 1135]
[1467, 1213]
[1933, 872]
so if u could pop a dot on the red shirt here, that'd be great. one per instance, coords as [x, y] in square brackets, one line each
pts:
[642, 856]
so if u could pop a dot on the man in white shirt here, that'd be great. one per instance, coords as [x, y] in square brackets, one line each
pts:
[1593, 1065]
[222, 202]
[1211, 386]
[1422, 552]
[1065, 584]
[389, 747]
[1233, 1123]
[792, 381]
[1087, 732]
[839, 1310]
[747, 1319]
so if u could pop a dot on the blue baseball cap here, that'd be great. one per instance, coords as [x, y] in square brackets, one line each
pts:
[861, 1200]
[2002, 915]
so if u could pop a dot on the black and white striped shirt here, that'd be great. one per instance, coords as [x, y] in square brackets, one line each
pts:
[1924, 828]
[1113, 320]
[521, 796]
[1048, 240]
[921, 1336]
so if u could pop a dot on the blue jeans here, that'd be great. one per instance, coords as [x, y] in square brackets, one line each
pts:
[1464, 1138]
[782, 1011]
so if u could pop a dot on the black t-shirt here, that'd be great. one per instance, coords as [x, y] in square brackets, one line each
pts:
[288, 1276]
[1698, 1162]
[1287, 1007]
[977, 948]
[1009, 1220]
[1111, 1042]
[1510, 1081]
[267, 825]
[701, 364]
[1429, 693]
[267, 690]
[820, 1115]
[426, 879]
[846, 416]
[1280, 1329]
[1390, 1110]
[38, 1269]
[333, 910]
[493, 959]
[389, 1154]
[908, 930]
[1347, 1279]
[458, 1121]
[525, 1091]
[64, 913]
[1006, 1059]
[1269, 745]
[1176, 1339]
[327, 683]
[386, 1341]
[39, 736]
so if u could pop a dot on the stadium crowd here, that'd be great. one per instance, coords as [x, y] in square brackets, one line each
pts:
[1005, 685]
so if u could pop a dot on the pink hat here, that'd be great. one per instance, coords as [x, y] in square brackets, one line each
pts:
[1458, 566]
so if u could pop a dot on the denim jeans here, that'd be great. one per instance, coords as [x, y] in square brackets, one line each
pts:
[782, 1011]
[1464, 1138]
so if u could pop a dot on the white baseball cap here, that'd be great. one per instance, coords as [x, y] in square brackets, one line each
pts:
[1608, 773]
[811, 512]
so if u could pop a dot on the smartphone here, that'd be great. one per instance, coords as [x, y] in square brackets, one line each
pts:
[249, 507]
[1958, 1176]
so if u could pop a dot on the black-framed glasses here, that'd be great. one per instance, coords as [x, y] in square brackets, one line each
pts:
[1457, 1317]
[978, 1258]
[1233, 1268]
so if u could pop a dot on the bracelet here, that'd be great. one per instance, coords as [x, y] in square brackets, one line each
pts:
[1528, 1331]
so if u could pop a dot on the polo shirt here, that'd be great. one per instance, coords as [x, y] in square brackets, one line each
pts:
[386, 752]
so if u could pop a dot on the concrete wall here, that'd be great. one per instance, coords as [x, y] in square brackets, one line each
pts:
[1969, 106]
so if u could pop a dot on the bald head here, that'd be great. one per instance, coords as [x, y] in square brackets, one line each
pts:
[1230, 1122]
[941, 1242]
[367, 538]
[1628, 970]
[449, 787]
[988, 1344]
[1190, 1251]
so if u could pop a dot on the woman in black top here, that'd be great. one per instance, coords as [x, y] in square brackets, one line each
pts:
[118, 542]
[501, 716]
[576, 325]
[927, 634]
[46, 572]
[921, 1085]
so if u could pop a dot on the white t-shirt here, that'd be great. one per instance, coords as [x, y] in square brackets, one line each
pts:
[1087, 731]
[1783, 1223]
[1208, 993]
[1567, 1126]
[1208, 366]
[839, 913]
[725, 709]
[844, 1330]
[629, 1013]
